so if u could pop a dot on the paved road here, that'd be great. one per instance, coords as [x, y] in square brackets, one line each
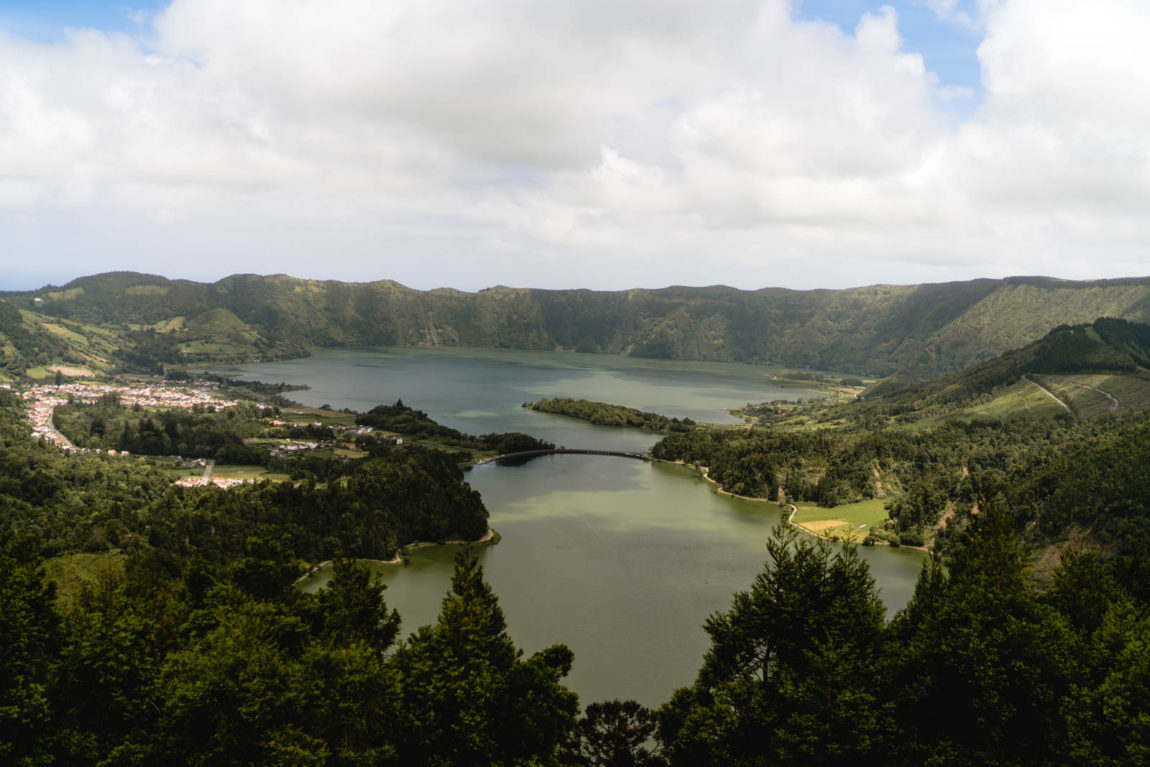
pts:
[58, 438]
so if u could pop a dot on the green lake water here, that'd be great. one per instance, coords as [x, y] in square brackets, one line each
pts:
[622, 560]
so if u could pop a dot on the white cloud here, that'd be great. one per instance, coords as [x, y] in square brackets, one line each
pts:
[951, 11]
[585, 142]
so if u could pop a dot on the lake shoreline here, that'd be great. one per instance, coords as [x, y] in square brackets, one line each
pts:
[490, 537]
[702, 472]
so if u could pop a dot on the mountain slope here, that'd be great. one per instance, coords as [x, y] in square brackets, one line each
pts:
[1082, 370]
[31, 344]
[918, 331]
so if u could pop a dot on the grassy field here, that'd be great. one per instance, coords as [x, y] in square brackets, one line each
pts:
[197, 350]
[1086, 393]
[65, 333]
[89, 346]
[346, 452]
[1019, 400]
[245, 472]
[229, 472]
[847, 522]
[1131, 390]
[306, 415]
[1085, 402]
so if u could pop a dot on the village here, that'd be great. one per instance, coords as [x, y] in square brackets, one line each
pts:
[150, 395]
[42, 401]
[221, 482]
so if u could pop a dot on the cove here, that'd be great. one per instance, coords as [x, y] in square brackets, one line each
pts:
[619, 559]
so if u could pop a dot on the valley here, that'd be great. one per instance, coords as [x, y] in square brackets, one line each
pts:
[928, 501]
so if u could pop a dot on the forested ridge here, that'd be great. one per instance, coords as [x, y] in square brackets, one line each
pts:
[917, 331]
[1106, 345]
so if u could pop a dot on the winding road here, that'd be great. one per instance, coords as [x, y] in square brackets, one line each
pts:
[1113, 405]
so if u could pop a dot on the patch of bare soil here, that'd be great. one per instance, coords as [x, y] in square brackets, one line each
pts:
[822, 525]
[947, 515]
[879, 488]
[70, 371]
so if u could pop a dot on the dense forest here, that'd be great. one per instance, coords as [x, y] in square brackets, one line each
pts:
[145, 322]
[415, 423]
[198, 433]
[980, 667]
[605, 414]
[1057, 477]
[186, 660]
[367, 507]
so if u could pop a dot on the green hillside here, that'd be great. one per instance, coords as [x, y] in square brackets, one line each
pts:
[1086, 370]
[1036, 430]
[218, 334]
[1081, 371]
[32, 345]
[917, 331]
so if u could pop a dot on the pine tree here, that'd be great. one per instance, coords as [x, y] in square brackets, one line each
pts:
[469, 697]
[790, 677]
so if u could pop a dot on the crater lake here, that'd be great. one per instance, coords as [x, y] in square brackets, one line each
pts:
[620, 559]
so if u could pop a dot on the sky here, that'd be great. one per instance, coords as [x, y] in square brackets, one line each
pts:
[575, 143]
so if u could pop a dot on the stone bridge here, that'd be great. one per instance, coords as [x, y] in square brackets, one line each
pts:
[642, 456]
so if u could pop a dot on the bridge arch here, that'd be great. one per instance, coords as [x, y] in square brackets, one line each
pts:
[636, 454]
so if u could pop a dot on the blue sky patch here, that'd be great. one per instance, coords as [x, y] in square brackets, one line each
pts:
[48, 21]
[948, 48]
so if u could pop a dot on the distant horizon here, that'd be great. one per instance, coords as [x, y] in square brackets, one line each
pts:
[4, 290]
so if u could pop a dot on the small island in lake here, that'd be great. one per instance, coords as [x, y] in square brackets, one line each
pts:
[605, 414]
